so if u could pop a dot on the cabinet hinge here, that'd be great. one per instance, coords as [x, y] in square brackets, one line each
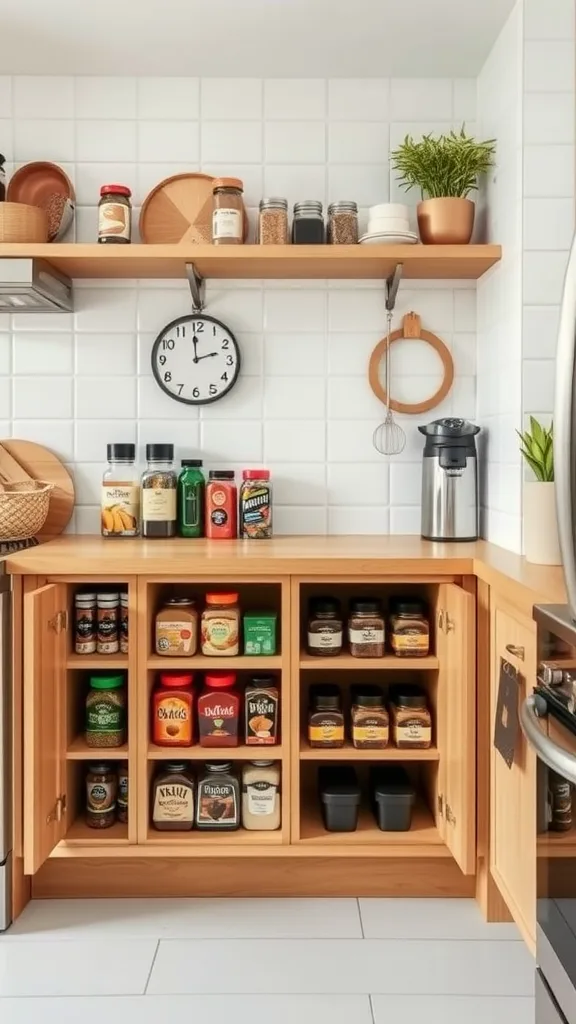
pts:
[57, 811]
[58, 622]
[450, 816]
[449, 626]
[441, 620]
[441, 805]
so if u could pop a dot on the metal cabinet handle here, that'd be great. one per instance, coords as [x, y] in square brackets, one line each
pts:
[558, 759]
[516, 652]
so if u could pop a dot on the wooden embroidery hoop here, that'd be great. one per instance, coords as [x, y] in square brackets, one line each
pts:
[411, 329]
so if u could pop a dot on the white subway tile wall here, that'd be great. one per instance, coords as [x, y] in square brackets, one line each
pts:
[303, 405]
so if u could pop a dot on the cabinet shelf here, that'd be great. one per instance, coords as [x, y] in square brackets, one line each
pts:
[80, 751]
[201, 662]
[206, 843]
[79, 834]
[101, 662]
[557, 844]
[346, 662]
[350, 753]
[198, 753]
[423, 839]
[274, 262]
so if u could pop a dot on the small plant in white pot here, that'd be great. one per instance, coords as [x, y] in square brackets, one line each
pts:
[540, 530]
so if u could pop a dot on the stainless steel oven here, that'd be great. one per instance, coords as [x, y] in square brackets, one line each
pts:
[548, 720]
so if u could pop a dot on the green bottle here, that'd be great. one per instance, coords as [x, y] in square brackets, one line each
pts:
[191, 486]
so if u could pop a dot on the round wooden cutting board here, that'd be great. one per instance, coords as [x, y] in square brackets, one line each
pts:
[22, 460]
[179, 209]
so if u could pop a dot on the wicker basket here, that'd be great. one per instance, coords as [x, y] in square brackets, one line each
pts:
[24, 509]
[22, 223]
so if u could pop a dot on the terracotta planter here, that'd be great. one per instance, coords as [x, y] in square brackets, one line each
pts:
[540, 530]
[446, 221]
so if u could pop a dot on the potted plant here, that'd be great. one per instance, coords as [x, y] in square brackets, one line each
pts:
[446, 170]
[540, 529]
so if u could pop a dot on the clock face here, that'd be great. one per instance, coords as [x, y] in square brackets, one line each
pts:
[196, 359]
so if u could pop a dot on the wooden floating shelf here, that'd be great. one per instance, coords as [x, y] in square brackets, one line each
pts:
[346, 661]
[80, 751]
[274, 262]
[350, 753]
[101, 662]
[422, 840]
[198, 753]
[202, 663]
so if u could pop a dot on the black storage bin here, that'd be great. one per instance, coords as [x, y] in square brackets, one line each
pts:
[340, 798]
[393, 797]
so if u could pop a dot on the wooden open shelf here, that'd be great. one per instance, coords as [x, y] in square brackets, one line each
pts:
[205, 843]
[257, 663]
[557, 844]
[198, 753]
[423, 839]
[346, 662]
[79, 834]
[274, 262]
[350, 753]
[100, 662]
[80, 751]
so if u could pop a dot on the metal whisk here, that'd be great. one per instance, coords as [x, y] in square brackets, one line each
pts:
[389, 438]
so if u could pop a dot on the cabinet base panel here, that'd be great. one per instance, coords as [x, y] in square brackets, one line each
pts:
[258, 878]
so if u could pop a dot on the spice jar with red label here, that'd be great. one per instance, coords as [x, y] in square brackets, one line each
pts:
[219, 710]
[221, 505]
[115, 214]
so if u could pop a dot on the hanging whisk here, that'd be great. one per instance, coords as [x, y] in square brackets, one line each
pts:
[389, 438]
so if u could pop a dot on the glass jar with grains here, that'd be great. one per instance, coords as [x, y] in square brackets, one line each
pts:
[159, 488]
[106, 711]
[343, 223]
[120, 512]
[228, 211]
[325, 628]
[411, 717]
[409, 628]
[273, 222]
[366, 629]
[115, 215]
[101, 792]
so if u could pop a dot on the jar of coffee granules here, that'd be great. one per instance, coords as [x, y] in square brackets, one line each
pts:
[409, 628]
[273, 222]
[411, 717]
[115, 215]
[228, 211]
[343, 223]
[366, 629]
[325, 717]
[101, 791]
[159, 488]
[325, 628]
[369, 718]
[308, 224]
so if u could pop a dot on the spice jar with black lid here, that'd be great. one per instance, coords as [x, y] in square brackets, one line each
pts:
[308, 224]
[366, 633]
[115, 215]
[411, 717]
[325, 627]
[159, 486]
[409, 628]
[325, 717]
[369, 718]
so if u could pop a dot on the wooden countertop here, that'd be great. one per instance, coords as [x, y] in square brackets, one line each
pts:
[301, 556]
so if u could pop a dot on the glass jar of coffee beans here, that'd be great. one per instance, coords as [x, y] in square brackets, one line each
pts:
[159, 490]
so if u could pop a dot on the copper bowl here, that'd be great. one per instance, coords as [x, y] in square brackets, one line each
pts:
[45, 185]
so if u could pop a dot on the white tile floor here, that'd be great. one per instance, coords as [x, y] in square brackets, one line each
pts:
[260, 961]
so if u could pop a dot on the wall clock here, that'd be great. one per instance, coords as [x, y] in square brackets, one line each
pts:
[196, 359]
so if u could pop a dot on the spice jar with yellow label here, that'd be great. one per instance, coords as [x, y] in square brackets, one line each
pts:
[409, 628]
[369, 718]
[411, 717]
[176, 628]
[325, 717]
[220, 626]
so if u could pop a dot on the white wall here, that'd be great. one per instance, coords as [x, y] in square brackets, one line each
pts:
[303, 406]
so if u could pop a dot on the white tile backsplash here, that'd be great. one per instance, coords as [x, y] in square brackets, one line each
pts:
[223, 99]
[418, 99]
[231, 141]
[177, 141]
[52, 139]
[549, 66]
[176, 98]
[299, 142]
[105, 98]
[290, 99]
[43, 96]
[105, 140]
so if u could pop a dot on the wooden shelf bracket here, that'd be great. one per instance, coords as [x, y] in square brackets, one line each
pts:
[392, 286]
[197, 287]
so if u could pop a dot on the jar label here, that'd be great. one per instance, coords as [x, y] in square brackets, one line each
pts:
[261, 718]
[104, 716]
[412, 730]
[326, 732]
[409, 641]
[85, 642]
[159, 504]
[227, 223]
[217, 804]
[220, 634]
[120, 510]
[107, 642]
[261, 797]
[123, 790]
[369, 732]
[114, 220]
[192, 507]
[325, 640]
[100, 797]
[173, 802]
[173, 722]
[367, 635]
[174, 637]
[218, 718]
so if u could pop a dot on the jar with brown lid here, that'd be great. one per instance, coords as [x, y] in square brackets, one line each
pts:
[369, 718]
[172, 798]
[325, 628]
[228, 211]
[409, 628]
[101, 791]
[115, 215]
[411, 717]
[325, 717]
[366, 632]
[176, 628]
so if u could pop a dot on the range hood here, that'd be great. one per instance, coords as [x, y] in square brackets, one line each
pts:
[33, 286]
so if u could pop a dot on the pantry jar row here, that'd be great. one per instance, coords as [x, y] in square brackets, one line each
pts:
[161, 503]
[216, 712]
[217, 799]
[371, 720]
[390, 795]
[406, 628]
[101, 622]
[220, 628]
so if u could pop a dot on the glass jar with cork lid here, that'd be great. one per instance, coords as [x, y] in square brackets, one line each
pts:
[228, 211]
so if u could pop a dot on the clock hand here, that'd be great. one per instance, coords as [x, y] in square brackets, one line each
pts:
[195, 343]
[208, 356]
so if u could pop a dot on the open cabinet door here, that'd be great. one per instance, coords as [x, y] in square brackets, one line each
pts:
[44, 737]
[457, 652]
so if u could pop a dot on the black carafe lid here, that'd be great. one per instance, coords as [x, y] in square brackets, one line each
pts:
[449, 427]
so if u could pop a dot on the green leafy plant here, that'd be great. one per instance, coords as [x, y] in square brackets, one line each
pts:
[444, 167]
[537, 448]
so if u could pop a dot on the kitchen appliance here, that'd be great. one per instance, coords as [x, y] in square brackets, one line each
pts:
[450, 481]
[5, 761]
[33, 286]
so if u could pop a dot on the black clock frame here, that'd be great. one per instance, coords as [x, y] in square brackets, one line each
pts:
[198, 315]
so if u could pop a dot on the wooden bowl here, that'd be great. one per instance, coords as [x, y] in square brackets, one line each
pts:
[179, 210]
[22, 223]
[45, 184]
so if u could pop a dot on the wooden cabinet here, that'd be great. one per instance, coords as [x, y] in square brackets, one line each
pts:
[513, 790]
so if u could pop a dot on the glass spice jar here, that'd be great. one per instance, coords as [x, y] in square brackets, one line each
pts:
[86, 628]
[172, 798]
[261, 796]
[273, 222]
[108, 613]
[411, 717]
[159, 488]
[106, 711]
[172, 710]
[123, 793]
[220, 626]
[343, 223]
[325, 630]
[124, 619]
[176, 628]
[366, 632]
[101, 792]
[115, 215]
[255, 505]
[409, 628]
[218, 802]
[221, 505]
[308, 223]
[369, 718]
[228, 211]
[325, 717]
[219, 710]
[120, 499]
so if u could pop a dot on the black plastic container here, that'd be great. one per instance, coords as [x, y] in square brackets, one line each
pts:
[393, 797]
[340, 798]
